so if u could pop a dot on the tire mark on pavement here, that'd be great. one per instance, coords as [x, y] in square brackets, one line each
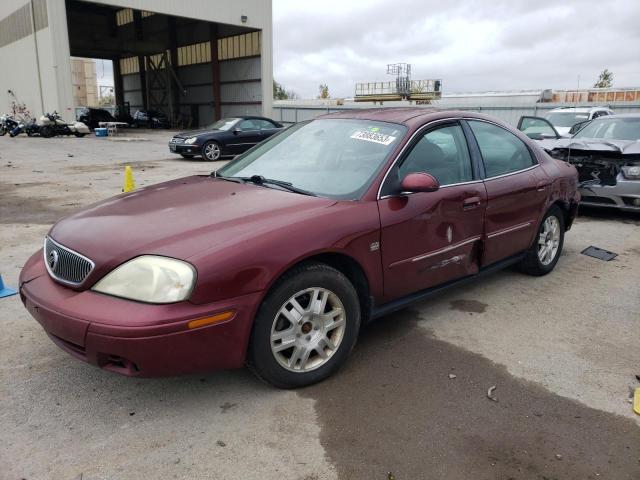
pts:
[395, 408]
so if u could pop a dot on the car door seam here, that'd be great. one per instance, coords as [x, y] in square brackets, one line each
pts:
[513, 228]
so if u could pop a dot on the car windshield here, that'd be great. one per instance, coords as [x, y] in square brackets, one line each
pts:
[335, 158]
[613, 128]
[224, 124]
[566, 119]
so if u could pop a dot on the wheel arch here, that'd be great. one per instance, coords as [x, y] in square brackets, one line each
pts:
[565, 208]
[345, 264]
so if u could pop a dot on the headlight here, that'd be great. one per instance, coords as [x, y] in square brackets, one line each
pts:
[151, 279]
[632, 172]
[190, 140]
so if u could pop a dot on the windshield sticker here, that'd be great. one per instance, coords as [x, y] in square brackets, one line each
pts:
[374, 137]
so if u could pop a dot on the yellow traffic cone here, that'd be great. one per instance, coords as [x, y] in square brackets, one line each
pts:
[129, 184]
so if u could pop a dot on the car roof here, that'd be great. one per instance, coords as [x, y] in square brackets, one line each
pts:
[578, 109]
[409, 116]
[392, 114]
[623, 115]
[251, 117]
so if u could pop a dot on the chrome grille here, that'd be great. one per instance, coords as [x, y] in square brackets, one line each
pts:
[64, 264]
[177, 140]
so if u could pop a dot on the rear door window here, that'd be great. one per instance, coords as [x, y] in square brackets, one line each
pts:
[249, 124]
[265, 124]
[502, 152]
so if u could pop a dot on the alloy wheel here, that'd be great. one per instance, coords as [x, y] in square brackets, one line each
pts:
[212, 151]
[548, 240]
[308, 329]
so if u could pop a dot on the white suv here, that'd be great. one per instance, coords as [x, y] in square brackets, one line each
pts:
[564, 118]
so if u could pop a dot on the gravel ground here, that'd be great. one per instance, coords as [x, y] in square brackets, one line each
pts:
[561, 350]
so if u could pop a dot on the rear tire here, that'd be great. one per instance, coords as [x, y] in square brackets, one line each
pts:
[543, 255]
[46, 131]
[305, 328]
[2, 131]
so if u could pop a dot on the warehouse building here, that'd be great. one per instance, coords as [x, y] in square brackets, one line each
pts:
[195, 61]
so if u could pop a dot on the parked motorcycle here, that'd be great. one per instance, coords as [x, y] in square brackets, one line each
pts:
[7, 123]
[51, 125]
[30, 127]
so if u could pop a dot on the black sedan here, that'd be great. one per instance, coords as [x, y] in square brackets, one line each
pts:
[228, 136]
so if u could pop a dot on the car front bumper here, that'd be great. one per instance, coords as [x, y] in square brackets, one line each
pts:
[133, 338]
[624, 195]
[182, 149]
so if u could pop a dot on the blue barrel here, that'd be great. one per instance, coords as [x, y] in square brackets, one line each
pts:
[101, 132]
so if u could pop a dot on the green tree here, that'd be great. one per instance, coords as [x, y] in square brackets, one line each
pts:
[107, 100]
[605, 80]
[280, 93]
[323, 91]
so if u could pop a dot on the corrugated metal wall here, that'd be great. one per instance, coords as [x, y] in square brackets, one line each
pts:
[240, 83]
[240, 86]
[132, 91]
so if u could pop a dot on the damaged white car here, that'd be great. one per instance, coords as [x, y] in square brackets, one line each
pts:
[606, 152]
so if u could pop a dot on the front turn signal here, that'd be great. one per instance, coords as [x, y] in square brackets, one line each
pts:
[217, 318]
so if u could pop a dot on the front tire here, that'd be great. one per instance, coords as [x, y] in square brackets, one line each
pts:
[79, 135]
[211, 151]
[543, 255]
[305, 328]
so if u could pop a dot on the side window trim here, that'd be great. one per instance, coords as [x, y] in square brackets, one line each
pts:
[533, 156]
[474, 151]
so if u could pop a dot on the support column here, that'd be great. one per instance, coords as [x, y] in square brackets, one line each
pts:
[215, 71]
[266, 63]
[117, 82]
[143, 81]
[173, 59]
[137, 25]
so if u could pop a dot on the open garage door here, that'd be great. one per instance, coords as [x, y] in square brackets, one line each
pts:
[191, 70]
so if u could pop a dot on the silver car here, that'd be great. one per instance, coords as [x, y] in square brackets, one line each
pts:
[606, 152]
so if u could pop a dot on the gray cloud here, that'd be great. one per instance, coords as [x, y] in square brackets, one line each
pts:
[470, 45]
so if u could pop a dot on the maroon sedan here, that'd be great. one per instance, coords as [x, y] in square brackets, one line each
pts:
[278, 258]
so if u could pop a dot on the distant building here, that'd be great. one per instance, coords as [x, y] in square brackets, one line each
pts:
[84, 82]
[195, 61]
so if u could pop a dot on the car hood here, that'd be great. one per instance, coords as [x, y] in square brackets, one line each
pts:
[622, 147]
[195, 133]
[562, 130]
[179, 219]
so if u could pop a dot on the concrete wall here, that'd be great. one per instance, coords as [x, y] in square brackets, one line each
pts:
[18, 61]
[44, 84]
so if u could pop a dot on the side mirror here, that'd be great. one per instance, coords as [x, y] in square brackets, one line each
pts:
[237, 130]
[419, 182]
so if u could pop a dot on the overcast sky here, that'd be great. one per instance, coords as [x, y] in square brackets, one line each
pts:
[470, 45]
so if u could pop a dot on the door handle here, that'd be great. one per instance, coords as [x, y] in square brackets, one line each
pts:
[542, 186]
[471, 202]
